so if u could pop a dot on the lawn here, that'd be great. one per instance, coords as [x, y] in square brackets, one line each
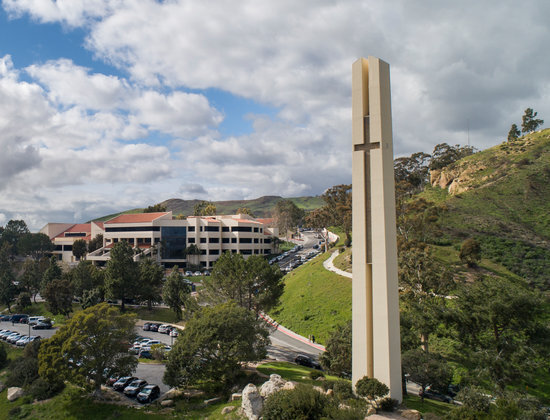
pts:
[428, 406]
[315, 300]
[156, 314]
[292, 372]
[343, 260]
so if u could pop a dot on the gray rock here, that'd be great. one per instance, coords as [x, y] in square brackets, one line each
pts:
[14, 393]
[228, 409]
[236, 396]
[252, 403]
[167, 403]
[274, 384]
[212, 401]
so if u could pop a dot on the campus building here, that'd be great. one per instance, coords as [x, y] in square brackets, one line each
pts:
[190, 243]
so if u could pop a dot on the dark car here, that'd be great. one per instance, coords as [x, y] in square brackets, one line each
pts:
[135, 387]
[154, 327]
[146, 326]
[16, 318]
[4, 317]
[307, 362]
[435, 395]
[145, 354]
[42, 325]
[148, 393]
[123, 383]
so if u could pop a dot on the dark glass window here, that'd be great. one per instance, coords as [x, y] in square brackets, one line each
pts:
[214, 240]
[69, 234]
[256, 251]
[233, 251]
[246, 251]
[267, 251]
[203, 251]
[203, 240]
[175, 242]
[233, 240]
[267, 240]
[241, 229]
[200, 228]
[245, 240]
[203, 263]
[255, 240]
[191, 240]
[225, 240]
[67, 247]
[191, 228]
[212, 228]
[59, 247]
[135, 229]
[256, 230]
[214, 252]
[225, 228]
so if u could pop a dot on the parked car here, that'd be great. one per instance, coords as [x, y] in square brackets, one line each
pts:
[16, 318]
[145, 354]
[163, 329]
[435, 395]
[23, 340]
[34, 319]
[148, 393]
[174, 332]
[307, 362]
[123, 383]
[154, 327]
[12, 339]
[135, 387]
[44, 324]
[146, 326]
[112, 379]
[188, 273]
[147, 345]
[5, 333]
[4, 317]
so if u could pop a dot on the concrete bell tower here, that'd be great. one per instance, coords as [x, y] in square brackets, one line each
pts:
[376, 349]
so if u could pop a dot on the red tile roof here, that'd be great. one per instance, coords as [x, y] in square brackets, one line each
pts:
[78, 228]
[100, 224]
[136, 218]
[246, 221]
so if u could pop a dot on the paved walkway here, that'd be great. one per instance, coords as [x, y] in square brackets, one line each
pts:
[328, 264]
[290, 333]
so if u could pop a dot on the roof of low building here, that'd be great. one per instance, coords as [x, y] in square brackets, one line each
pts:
[136, 218]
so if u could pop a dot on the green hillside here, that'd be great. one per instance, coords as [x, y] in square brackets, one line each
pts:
[502, 198]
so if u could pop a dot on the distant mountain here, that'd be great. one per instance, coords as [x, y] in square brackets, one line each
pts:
[261, 207]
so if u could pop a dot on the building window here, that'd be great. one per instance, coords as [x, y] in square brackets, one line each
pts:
[261, 230]
[241, 229]
[133, 229]
[203, 240]
[256, 230]
[233, 251]
[67, 247]
[245, 240]
[200, 228]
[203, 251]
[267, 240]
[214, 240]
[233, 240]
[256, 251]
[68, 234]
[211, 228]
[255, 240]
[225, 240]
[191, 228]
[267, 251]
[246, 251]
[214, 252]
[191, 240]
[225, 228]
[203, 264]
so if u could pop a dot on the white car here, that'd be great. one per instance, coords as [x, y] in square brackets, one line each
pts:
[147, 346]
[163, 329]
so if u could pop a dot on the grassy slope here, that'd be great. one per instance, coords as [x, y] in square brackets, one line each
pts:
[315, 300]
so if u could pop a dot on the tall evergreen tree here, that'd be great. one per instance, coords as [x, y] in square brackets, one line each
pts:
[121, 273]
[529, 122]
[514, 133]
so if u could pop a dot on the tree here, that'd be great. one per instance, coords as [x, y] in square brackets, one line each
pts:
[23, 301]
[8, 290]
[31, 278]
[59, 295]
[245, 210]
[252, 283]
[425, 369]
[443, 155]
[12, 232]
[176, 291]
[79, 248]
[89, 348]
[411, 173]
[214, 345]
[371, 389]
[204, 208]
[86, 277]
[121, 273]
[35, 245]
[52, 272]
[470, 252]
[528, 122]
[287, 216]
[149, 287]
[336, 360]
[502, 329]
[514, 133]
[157, 208]
[337, 209]
[95, 243]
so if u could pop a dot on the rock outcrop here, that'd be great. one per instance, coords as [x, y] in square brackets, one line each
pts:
[275, 383]
[14, 393]
[252, 403]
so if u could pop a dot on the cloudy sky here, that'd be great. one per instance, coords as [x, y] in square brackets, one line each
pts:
[113, 104]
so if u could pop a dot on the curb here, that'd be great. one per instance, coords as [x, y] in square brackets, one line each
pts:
[290, 333]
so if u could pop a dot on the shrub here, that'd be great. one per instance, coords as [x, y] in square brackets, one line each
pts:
[3, 356]
[474, 398]
[371, 388]
[303, 402]
[22, 372]
[315, 374]
[388, 404]
[343, 390]
[41, 389]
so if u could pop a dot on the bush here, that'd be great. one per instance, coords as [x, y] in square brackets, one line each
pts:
[388, 404]
[474, 398]
[303, 402]
[343, 390]
[3, 356]
[22, 372]
[371, 388]
[42, 390]
[315, 374]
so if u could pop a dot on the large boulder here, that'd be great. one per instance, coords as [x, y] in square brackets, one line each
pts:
[275, 383]
[252, 403]
[14, 393]
[411, 414]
